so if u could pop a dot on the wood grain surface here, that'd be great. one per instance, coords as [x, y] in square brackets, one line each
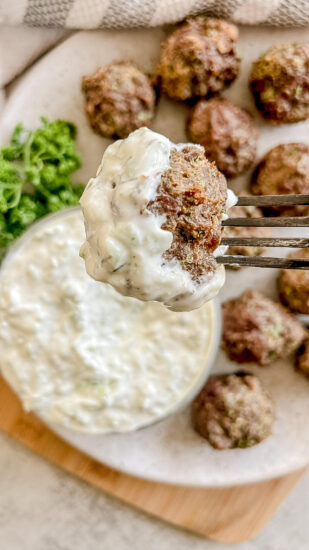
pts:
[229, 515]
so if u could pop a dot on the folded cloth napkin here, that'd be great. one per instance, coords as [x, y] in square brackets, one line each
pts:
[20, 46]
[87, 14]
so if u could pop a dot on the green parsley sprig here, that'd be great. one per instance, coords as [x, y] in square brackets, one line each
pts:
[35, 176]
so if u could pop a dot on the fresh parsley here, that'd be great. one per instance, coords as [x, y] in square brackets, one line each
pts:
[35, 176]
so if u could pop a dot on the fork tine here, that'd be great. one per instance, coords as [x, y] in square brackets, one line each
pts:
[256, 261]
[301, 221]
[272, 200]
[267, 241]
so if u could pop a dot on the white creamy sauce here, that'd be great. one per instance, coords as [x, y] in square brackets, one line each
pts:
[125, 242]
[79, 353]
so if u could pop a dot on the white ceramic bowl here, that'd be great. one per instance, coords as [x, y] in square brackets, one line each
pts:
[212, 344]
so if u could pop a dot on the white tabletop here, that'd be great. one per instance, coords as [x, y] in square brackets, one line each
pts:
[42, 507]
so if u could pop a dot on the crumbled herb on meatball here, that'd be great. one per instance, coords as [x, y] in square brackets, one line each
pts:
[280, 83]
[257, 329]
[119, 99]
[199, 58]
[227, 132]
[233, 410]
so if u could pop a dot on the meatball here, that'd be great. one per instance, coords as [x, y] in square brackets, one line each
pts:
[119, 99]
[280, 83]
[233, 410]
[153, 221]
[302, 358]
[293, 285]
[199, 58]
[283, 171]
[256, 329]
[192, 196]
[227, 132]
[241, 232]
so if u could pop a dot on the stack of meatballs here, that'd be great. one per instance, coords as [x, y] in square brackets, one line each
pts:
[198, 61]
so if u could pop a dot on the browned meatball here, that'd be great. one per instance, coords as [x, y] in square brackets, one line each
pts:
[280, 83]
[119, 99]
[256, 329]
[227, 132]
[293, 285]
[192, 195]
[199, 58]
[283, 171]
[233, 410]
[302, 358]
[243, 232]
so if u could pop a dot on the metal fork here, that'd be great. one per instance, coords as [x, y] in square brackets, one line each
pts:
[285, 221]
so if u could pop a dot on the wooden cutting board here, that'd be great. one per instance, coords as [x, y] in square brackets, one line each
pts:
[228, 515]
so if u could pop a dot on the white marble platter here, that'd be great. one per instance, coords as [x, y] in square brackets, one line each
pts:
[170, 451]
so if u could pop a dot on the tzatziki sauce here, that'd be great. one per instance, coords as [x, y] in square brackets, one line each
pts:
[80, 354]
[125, 241]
